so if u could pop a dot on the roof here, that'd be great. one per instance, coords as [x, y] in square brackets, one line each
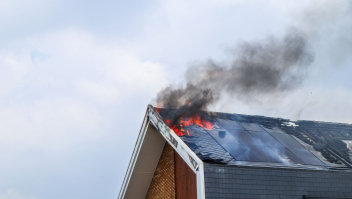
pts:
[235, 139]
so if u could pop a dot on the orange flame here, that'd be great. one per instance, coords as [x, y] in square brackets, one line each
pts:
[195, 120]
[158, 110]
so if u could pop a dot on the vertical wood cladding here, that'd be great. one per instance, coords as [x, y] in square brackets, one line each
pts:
[186, 184]
[163, 184]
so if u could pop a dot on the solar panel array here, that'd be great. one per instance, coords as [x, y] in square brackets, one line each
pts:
[253, 143]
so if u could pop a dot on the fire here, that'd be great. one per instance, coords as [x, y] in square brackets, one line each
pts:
[183, 122]
[158, 110]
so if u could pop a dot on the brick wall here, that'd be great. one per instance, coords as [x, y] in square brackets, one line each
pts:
[244, 182]
[163, 182]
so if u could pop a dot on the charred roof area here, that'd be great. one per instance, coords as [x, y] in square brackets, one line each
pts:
[223, 138]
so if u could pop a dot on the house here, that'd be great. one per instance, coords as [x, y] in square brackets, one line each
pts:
[221, 155]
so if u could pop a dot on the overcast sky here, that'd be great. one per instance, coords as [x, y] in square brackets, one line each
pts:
[76, 78]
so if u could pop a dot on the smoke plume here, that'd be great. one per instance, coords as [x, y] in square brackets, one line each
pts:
[275, 64]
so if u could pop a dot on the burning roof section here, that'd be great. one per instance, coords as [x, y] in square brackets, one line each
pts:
[232, 139]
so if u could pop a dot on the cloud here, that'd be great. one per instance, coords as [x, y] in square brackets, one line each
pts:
[123, 76]
[12, 194]
[12, 70]
[59, 96]
[58, 113]
[86, 66]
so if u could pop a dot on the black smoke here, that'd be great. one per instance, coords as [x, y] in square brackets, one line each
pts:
[264, 67]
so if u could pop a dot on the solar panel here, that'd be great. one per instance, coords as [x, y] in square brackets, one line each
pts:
[263, 153]
[229, 124]
[266, 138]
[240, 152]
[230, 144]
[287, 140]
[306, 156]
[244, 137]
[254, 143]
[286, 155]
[252, 127]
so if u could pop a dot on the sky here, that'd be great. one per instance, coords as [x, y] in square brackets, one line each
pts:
[76, 78]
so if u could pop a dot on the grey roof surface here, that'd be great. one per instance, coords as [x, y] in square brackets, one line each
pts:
[256, 140]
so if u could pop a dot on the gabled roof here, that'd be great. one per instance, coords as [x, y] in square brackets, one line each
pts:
[236, 139]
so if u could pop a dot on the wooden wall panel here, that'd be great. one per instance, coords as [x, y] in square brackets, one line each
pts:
[163, 184]
[186, 180]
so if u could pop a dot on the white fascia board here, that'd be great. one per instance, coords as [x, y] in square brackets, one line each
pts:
[181, 148]
[134, 157]
[200, 182]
